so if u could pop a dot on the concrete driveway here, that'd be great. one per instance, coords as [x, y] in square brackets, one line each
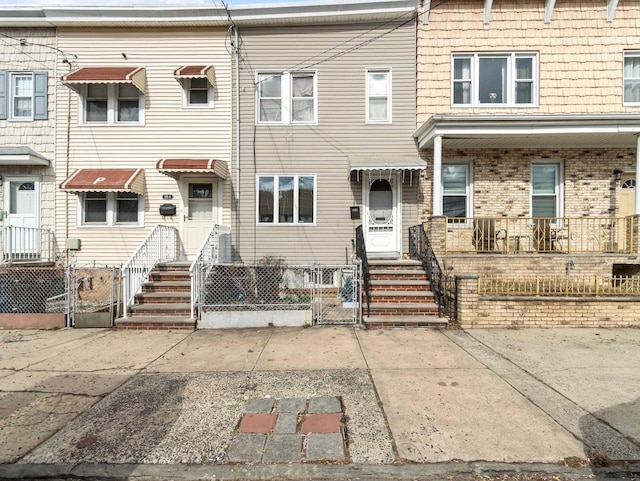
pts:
[425, 396]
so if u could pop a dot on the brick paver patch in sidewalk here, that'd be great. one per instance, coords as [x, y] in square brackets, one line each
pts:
[290, 430]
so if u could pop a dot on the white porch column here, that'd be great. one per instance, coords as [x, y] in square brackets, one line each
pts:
[637, 189]
[437, 175]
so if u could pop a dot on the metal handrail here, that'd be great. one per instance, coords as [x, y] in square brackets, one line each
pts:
[215, 249]
[160, 245]
[361, 252]
[26, 243]
[420, 248]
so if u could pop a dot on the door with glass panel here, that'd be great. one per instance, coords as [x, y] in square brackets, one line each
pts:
[381, 204]
[22, 213]
[200, 211]
[627, 201]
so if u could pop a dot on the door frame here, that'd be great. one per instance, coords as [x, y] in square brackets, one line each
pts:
[183, 187]
[37, 180]
[395, 180]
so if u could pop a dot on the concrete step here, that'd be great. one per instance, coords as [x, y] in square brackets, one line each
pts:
[155, 322]
[378, 322]
[398, 308]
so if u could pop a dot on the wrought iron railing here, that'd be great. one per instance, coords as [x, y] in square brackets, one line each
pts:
[215, 249]
[570, 235]
[584, 286]
[361, 253]
[26, 244]
[444, 291]
[160, 245]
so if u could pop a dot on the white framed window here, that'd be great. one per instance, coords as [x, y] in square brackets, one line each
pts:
[631, 76]
[494, 80]
[197, 92]
[286, 98]
[286, 199]
[111, 209]
[379, 96]
[456, 190]
[546, 189]
[23, 95]
[111, 104]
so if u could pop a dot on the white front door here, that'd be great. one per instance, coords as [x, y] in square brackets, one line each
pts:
[22, 210]
[382, 218]
[200, 209]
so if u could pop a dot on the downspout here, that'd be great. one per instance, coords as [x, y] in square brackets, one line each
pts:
[237, 189]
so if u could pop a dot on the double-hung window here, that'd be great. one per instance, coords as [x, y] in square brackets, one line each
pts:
[546, 190]
[109, 104]
[378, 95]
[199, 92]
[111, 209]
[456, 195]
[286, 98]
[504, 79]
[286, 199]
[632, 78]
[23, 95]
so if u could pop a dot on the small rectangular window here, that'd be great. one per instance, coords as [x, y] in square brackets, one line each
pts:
[295, 201]
[455, 190]
[544, 190]
[286, 98]
[128, 103]
[632, 78]
[126, 208]
[198, 93]
[22, 96]
[111, 208]
[97, 103]
[111, 104]
[270, 97]
[95, 208]
[378, 96]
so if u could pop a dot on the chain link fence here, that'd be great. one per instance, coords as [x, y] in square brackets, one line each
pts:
[33, 290]
[95, 296]
[330, 292]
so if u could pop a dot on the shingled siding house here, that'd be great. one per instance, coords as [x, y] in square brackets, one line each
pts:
[529, 124]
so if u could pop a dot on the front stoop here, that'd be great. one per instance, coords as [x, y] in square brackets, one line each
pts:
[164, 301]
[400, 296]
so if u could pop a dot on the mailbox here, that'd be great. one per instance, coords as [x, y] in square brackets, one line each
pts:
[355, 212]
[167, 209]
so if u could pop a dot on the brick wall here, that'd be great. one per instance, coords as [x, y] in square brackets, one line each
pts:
[502, 180]
[510, 312]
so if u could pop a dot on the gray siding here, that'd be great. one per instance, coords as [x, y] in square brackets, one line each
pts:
[341, 131]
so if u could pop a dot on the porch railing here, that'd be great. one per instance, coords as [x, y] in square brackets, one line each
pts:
[160, 245]
[361, 253]
[584, 286]
[26, 244]
[215, 249]
[420, 249]
[570, 235]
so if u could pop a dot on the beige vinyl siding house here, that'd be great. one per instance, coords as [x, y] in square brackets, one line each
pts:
[304, 104]
[27, 122]
[168, 128]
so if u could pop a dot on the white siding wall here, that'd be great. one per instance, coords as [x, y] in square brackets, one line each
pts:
[341, 131]
[170, 131]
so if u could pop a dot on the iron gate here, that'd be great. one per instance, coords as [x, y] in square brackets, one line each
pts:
[337, 295]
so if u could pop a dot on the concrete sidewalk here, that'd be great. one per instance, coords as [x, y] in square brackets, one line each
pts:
[413, 403]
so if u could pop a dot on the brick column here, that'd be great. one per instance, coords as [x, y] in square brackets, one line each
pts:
[635, 234]
[436, 229]
[466, 299]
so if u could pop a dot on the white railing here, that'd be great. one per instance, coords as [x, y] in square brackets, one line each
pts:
[26, 244]
[216, 249]
[160, 245]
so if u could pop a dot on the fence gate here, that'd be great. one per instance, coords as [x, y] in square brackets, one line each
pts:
[336, 294]
[94, 296]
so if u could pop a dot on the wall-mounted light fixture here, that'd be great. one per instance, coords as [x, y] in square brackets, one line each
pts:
[617, 174]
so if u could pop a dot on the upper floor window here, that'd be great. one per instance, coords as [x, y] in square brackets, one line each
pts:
[286, 199]
[632, 78]
[23, 95]
[198, 92]
[111, 104]
[111, 209]
[505, 80]
[378, 96]
[286, 98]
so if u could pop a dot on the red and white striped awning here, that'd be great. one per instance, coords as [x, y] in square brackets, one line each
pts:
[106, 75]
[196, 71]
[105, 180]
[175, 167]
